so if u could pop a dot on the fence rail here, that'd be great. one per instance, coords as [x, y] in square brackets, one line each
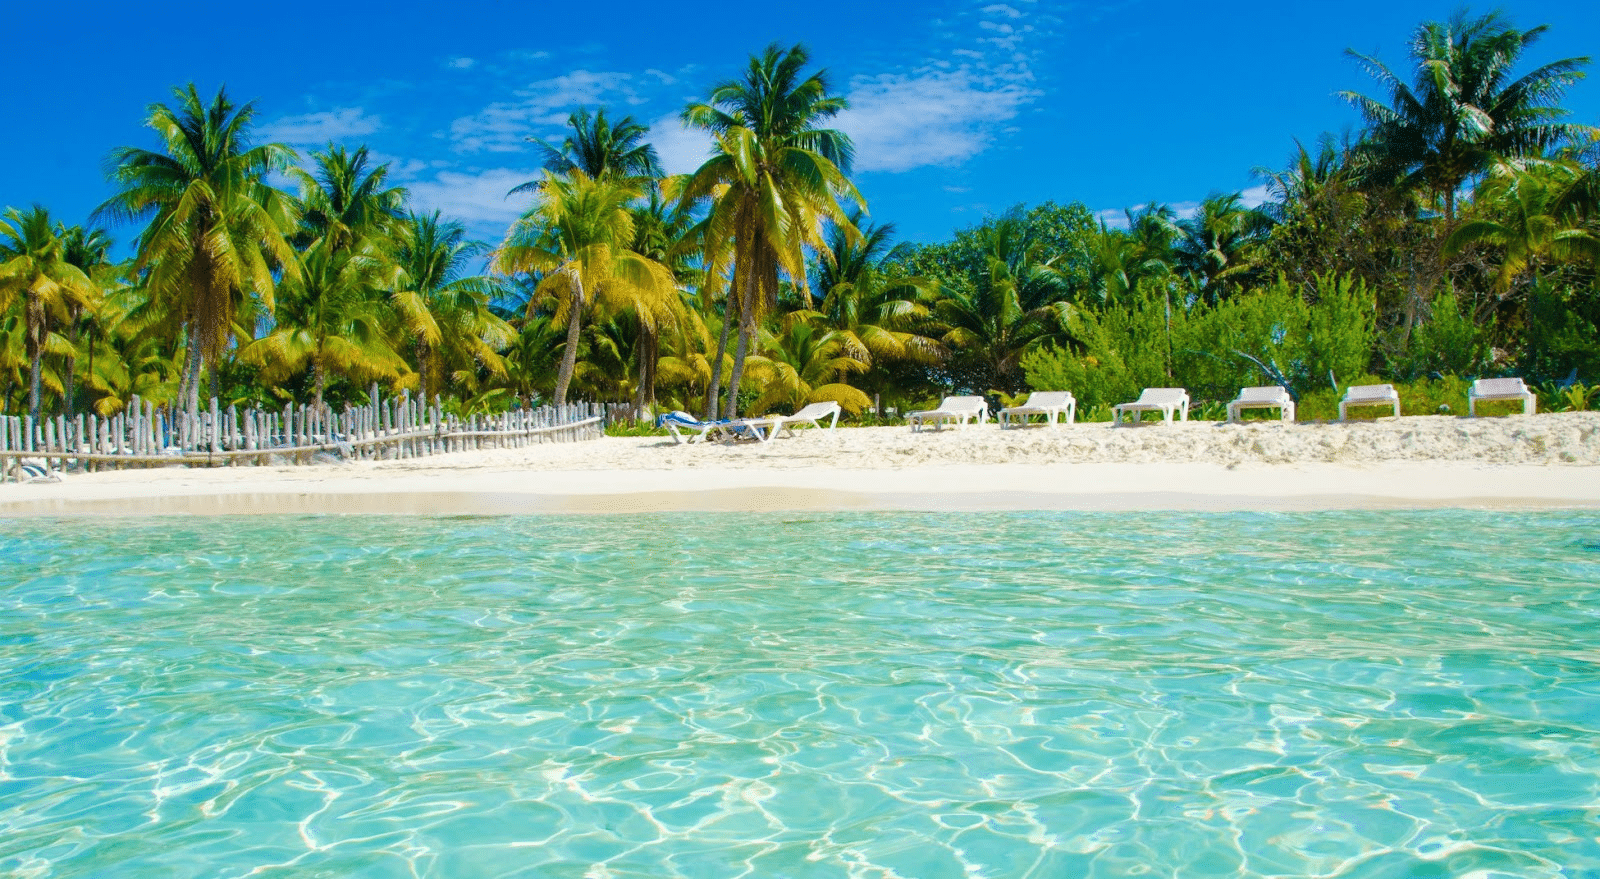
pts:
[399, 427]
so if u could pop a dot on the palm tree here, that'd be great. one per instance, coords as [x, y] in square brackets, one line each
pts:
[331, 318]
[34, 268]
[577, 234]
[1220, 242]
[774, 178]
[881, 315]
[90, 251]
[344, 202]
[1524, 211]
[1015, 303]
[807, 363]
[454, 327]
[1464, 110]
[217, 230]
[600, 149]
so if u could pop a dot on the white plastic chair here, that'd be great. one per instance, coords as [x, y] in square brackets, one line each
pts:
[1050, 404]
[1370, 395]
[1488, 389]
[1264, 397]
[1164, 400]
[959, 410]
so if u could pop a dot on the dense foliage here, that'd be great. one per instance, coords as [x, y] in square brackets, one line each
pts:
[1455, 236]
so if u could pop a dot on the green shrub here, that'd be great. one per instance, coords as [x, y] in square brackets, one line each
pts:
[1448, 342]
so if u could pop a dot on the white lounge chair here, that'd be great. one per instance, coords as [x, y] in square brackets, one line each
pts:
[811, 414]
[1163, 400]
[1487, 389]
[687, 429]
[1050, 404]
[954, 409]
[1266, 397]
[1370, 395]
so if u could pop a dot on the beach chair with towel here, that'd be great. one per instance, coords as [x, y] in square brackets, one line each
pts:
[958, 410]
[1267, 397]
[686, 428]
[1370, 395]
[1164, 400]
[1492, 389]
[1050, 404]
[812, 414]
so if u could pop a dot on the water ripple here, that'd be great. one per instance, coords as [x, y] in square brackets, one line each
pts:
[999, 695]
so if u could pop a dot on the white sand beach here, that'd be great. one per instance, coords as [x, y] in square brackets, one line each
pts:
[1519, 461]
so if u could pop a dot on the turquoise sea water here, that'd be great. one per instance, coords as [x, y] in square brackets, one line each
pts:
[908, 695]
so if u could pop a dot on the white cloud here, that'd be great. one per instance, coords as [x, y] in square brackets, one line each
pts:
[1115, 218]
[476, 197]
[503, 126]
[681, 149]
[461, 63]
[1255, 196]
[900, 122]
[316, 129]
[1002, 10]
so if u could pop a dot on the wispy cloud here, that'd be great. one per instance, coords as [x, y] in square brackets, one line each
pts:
[1255, 196]
[476, 197]
[946, 110]
[461, 63]
[681, 149]
[316, 129]
[503, 126]
[933, 118]
[1117, 218]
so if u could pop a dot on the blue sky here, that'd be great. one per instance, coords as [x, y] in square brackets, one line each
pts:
[959, 109]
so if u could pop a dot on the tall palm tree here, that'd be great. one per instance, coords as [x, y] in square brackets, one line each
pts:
[217, 231]
[34, 269]
[454, 327]
[773, 180]
[599, 149]
[332, 319]
[577, 234]
[1464, 109]
[344, 201]
[89, 250]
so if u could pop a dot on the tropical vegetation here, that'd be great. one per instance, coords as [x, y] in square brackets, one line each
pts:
[1455, 235]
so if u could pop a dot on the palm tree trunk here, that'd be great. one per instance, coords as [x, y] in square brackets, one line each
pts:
[652, 354]
[737, 377]
[714, 393]
[35, 372]
[191, 374]
[320, 376]
[569, 357]
[72, 367]
[420, 348]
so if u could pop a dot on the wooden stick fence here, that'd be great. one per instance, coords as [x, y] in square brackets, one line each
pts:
[401, 427]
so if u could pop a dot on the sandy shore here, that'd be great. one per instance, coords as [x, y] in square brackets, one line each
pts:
[1539, 461]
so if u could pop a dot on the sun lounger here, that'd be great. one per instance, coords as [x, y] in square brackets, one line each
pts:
[955, 409]
[1487, 389]
[1163, 400]
[1267, 397]
[1050, 404]
[811, 414]
[686, 428]
[1370, 395]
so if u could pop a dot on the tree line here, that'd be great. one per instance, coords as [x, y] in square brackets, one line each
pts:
[1456, 233]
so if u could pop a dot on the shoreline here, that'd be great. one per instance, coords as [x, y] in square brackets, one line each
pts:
[1538, 462]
